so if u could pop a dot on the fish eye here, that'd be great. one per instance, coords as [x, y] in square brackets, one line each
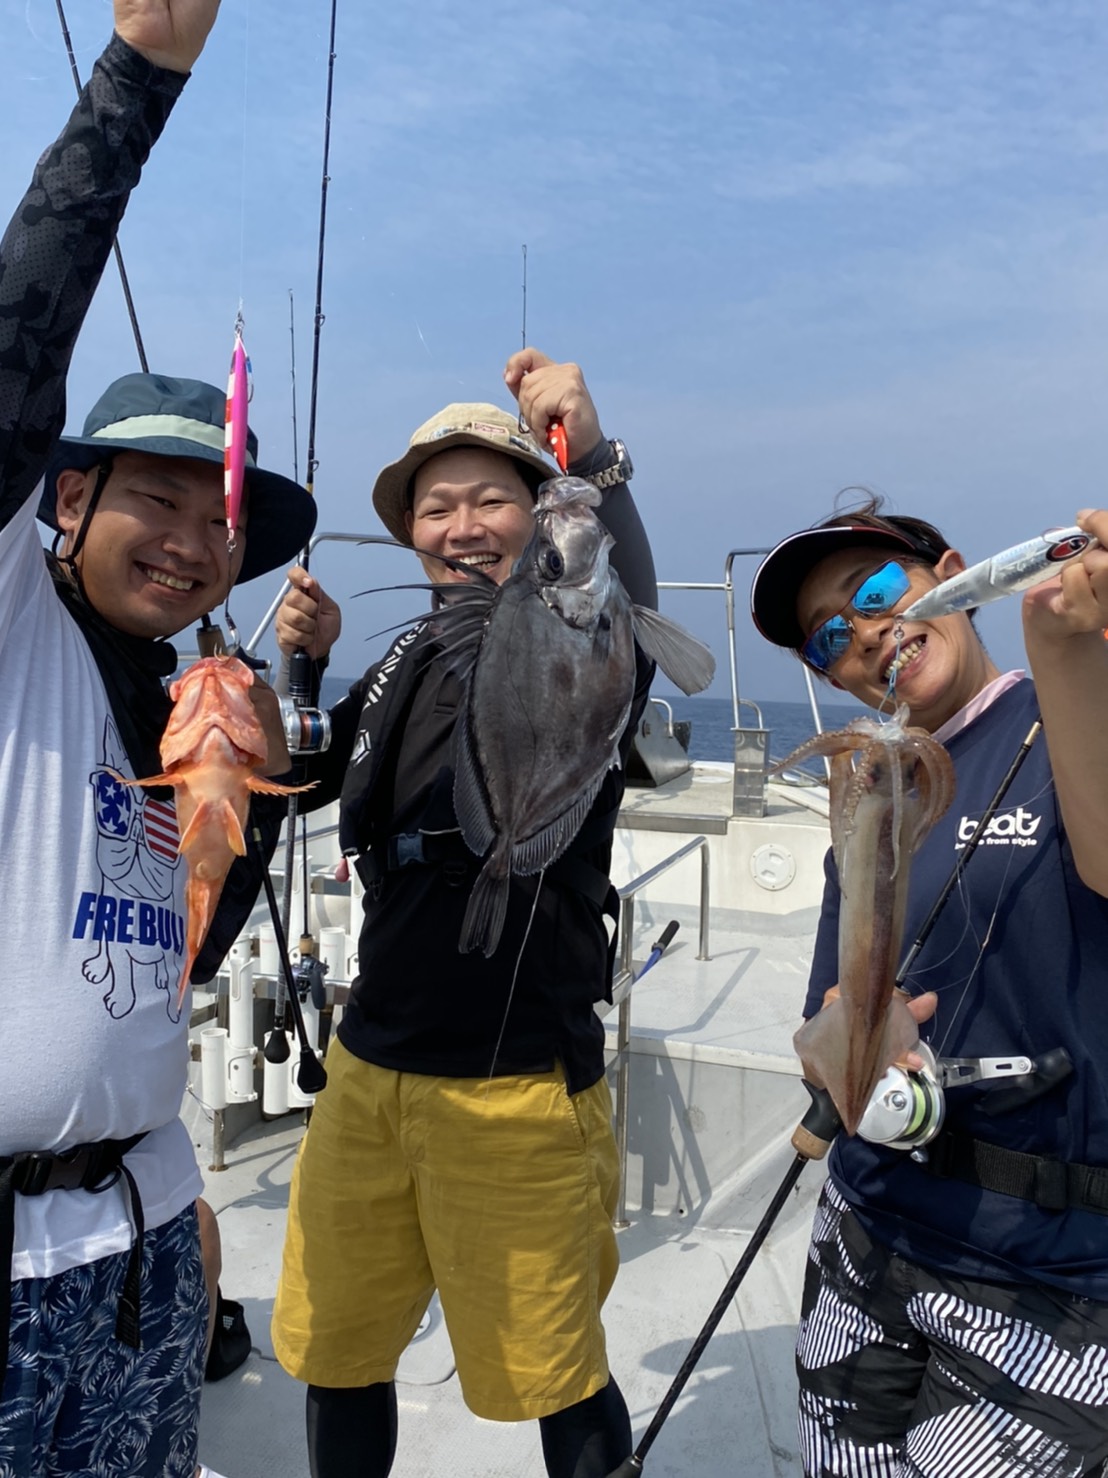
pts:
[551, 564]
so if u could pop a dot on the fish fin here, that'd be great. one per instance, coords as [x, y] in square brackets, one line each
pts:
[536, 852]
[486, 910]
[197, 822]
[471, 801]
[684, 660]
[149, 780]
[208, 813]
[458, 626]
[261, 786]
[236, 840]
[821, 1045]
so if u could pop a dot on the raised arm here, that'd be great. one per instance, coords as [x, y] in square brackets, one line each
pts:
[548, 392]
[58, 241]
[1064, 623]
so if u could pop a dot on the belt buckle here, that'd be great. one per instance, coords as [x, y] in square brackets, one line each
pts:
[34, 1173]
[406, 849]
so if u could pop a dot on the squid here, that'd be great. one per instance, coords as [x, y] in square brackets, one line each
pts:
[889, 785]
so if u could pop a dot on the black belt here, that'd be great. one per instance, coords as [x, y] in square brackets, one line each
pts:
[1053, 1185]
[89, 1167]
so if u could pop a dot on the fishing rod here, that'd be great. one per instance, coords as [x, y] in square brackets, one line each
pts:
[812, 1137]
[311, 1075]
[968, 850]
[292, 368]
[313, 397]
[125, 284]
[555, 431]
[300, 664]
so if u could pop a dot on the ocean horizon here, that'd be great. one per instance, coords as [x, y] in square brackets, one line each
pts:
[789, 724]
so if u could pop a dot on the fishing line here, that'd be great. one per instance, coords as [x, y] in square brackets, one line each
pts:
[242, 177]
[964, 896]
[890, 691]
[515, 976]
[956, 876]
[123, 279]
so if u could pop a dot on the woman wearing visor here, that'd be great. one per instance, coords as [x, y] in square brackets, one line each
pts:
[955, 1312]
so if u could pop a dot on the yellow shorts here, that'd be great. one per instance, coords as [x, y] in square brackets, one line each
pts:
[500, 1193]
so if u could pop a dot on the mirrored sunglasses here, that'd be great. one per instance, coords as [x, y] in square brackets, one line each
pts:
[877, 594]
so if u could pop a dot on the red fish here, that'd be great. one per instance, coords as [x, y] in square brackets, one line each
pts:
[889, 785]
[212, 750]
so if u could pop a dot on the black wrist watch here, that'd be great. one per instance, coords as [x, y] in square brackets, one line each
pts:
[620, 471]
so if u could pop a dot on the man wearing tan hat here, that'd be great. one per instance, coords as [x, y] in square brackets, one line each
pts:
[427, 1166]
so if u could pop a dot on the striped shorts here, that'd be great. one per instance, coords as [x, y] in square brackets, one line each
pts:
[906, 1373]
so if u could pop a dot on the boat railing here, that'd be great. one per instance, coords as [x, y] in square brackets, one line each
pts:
[625, 980]
[751, 756]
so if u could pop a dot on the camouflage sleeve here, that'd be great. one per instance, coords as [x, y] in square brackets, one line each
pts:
[55, 248]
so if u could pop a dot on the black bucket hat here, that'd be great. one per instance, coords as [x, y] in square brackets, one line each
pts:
[778, 578]
[185, 418]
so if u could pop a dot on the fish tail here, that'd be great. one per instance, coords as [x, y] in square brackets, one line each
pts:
[487, 908]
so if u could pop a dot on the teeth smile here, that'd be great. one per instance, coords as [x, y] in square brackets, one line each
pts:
[908, 653]
[477, 560]
[159, 577]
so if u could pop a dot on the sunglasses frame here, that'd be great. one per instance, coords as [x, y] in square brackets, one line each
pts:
[841, 625]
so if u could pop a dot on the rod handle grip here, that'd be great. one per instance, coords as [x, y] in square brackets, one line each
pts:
[815, 1133]
[300, 678]
[665, 938]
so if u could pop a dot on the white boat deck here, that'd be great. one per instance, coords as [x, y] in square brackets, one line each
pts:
[735, 1415]
[714, 1096]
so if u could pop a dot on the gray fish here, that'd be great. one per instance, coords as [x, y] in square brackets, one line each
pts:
[548, 695]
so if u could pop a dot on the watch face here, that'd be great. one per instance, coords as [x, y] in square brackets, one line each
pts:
[623, 466]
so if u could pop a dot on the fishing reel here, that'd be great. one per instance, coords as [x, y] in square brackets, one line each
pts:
[309, 976]
[907, 1108]
[307, 729]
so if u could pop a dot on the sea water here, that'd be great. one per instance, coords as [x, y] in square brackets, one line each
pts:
[790, 724]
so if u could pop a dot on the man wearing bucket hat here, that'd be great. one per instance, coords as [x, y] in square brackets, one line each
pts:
[955, 1310]
[420, 1171]
[103, 1320]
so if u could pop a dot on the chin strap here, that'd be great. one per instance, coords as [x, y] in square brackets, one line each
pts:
[69, 561]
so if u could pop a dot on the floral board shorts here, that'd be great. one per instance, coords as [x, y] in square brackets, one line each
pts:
[77, 1400]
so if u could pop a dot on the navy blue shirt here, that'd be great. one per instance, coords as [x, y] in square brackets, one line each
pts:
[1019, 958]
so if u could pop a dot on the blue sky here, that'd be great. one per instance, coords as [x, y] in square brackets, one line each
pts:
[794, 246]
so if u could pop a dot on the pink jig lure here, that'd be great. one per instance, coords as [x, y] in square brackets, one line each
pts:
[239, 390]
